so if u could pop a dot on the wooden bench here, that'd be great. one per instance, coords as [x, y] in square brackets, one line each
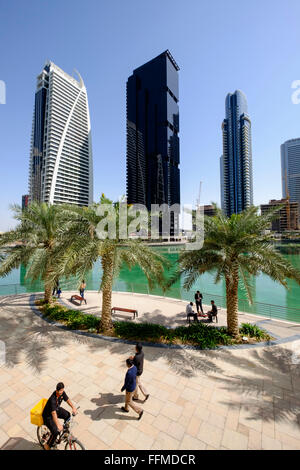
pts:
[127, 310]
[79, 298]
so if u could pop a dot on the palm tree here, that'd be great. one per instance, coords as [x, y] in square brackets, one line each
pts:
[35, 243]
[83, 248]
[236, 248]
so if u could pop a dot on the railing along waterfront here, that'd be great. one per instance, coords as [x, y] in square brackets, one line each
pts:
[257, 308]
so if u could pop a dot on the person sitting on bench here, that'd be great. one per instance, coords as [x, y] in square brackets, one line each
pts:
[190, 312]
[213, 312]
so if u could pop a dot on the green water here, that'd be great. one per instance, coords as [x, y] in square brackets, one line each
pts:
[271, 298]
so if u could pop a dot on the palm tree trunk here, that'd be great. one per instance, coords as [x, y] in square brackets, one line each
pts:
[232, 303]
[48, 293]
[107, 284]
[48, 286]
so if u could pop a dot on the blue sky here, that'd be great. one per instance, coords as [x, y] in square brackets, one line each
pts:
[219, 45]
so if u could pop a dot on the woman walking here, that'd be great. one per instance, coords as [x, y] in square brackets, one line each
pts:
[82, 288]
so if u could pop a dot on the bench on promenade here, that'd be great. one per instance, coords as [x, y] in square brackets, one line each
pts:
[79, 298]
[127, 310]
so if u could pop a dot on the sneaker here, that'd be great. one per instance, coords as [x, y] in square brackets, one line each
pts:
[124, 409]
[146, 397]
[140, 415]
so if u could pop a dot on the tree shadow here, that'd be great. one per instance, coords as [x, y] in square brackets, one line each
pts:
[159, 318]
[269, 395]
[260, 380]
[85, 309]
[24, 333]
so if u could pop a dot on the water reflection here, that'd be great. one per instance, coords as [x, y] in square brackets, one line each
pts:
[264, 289]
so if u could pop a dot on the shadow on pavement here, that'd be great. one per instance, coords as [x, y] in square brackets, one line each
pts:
[263, 381]
[109, 407]
[19, 443]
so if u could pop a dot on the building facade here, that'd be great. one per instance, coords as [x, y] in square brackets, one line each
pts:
[290, 170]
[61, 165]
[288, 216]
[236, 161]
[25, 201]
[153, 157]
[208, 211]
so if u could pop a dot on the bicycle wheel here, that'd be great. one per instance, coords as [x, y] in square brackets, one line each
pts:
[43, 434]
[74, 444]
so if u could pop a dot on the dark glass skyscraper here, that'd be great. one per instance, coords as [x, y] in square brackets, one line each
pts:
[152, 133]
[236, 161]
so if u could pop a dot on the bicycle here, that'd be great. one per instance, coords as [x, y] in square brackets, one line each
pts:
[72, 443]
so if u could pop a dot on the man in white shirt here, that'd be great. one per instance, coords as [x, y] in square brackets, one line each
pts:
[190, 312]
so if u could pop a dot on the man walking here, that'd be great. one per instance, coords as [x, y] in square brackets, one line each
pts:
[130, 386]
[138, 361]
[198, 300]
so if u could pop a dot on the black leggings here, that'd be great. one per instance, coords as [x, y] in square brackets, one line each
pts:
[49, 422]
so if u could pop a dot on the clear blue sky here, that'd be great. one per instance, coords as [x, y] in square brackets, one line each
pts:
[219, 45]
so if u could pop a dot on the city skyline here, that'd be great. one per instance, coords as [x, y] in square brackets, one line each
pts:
[264, 73]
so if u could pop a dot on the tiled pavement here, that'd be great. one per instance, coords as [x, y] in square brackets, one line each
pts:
[221, 399]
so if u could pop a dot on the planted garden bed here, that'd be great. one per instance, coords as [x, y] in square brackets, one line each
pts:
[196, 334]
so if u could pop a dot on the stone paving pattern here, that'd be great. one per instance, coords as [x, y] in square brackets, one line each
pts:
[221, 399]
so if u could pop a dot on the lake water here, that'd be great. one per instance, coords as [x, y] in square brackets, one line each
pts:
[271, 299]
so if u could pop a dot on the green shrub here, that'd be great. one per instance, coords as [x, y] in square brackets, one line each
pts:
[197, 334]
[139, 330]
[253, 331]
[74, 320]
[203, 335]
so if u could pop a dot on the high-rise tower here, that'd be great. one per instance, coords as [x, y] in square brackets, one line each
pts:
[152, 133]
[236, 161]
[290, 170]
[61, 166]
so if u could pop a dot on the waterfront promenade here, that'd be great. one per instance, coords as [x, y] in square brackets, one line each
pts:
[243, 398]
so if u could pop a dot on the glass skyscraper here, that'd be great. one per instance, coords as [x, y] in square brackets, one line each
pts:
[61, 166]
[290, 169]
[152, 133]
[236, 161]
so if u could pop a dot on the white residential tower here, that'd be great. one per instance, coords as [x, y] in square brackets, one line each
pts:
[61, 165]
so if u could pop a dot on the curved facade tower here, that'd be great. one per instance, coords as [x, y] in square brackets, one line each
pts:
[61, 164]
[236, 161]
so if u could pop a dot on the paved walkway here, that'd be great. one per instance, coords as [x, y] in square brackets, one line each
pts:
[222, 399]
[167, 311]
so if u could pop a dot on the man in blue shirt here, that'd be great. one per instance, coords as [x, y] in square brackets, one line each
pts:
[130, 386]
